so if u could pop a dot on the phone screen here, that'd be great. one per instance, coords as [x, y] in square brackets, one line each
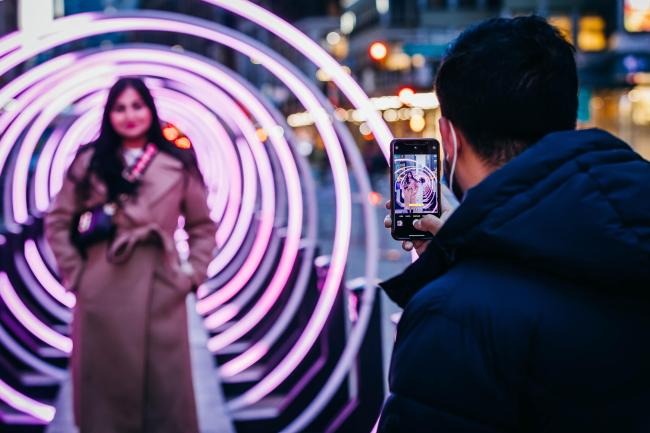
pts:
[415, 184]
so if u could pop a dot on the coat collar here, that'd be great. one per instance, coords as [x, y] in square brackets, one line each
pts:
[163, 174]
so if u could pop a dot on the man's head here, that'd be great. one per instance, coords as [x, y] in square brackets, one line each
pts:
[502, 85]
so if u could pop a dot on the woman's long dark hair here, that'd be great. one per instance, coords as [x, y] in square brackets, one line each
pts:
[106, 162]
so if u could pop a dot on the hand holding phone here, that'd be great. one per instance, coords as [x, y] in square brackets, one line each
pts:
[431, 224]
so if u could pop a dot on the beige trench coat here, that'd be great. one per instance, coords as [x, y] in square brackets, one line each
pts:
[130, 362]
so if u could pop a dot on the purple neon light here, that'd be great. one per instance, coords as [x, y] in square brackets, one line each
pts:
[230, 198]
[267, 200]
[42, 167]
[28, 320]
[34, 90]
[168, 103]
[56, 102]
[241, 229]
[18, 401]
[44, 277]
[42, 273]
[77, 140]
[30, 77]
[30, 250]
[121, 55]
[125, 23]
[42, 195]
[340, 243]
[267, 303]
[314, 52]
[232, 176]
[83, 130]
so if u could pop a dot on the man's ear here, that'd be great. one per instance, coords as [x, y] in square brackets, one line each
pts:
[447, 140]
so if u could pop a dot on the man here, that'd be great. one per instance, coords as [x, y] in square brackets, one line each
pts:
[529, 311]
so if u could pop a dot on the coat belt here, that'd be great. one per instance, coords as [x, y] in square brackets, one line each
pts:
[122, 246]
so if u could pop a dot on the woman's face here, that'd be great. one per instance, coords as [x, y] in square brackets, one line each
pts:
[130, 116]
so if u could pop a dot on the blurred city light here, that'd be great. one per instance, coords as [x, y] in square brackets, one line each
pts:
[405, 94]
[170, 132]
[417, 123]
[418, 60]
[591, 36]
[374, 198]
[183, 143]
[383, 6]
[636, 15]
[333, 38]
[378, 51]
[348, 21]
[261, 134]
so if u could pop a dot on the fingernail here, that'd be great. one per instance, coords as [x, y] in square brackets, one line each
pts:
[416, 223]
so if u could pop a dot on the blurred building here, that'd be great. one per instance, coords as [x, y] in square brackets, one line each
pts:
[7, 16]
[393, 44]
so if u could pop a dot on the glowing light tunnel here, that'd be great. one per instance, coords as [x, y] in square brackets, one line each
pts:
[47, 116]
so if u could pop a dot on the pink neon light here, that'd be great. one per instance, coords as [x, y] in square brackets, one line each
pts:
[267, 213]
[44, 276]
[314, 52]
[269, 297]
[86, 120]
[81, 131]
[228, 199]
[33, 91]
[308, 335]
[28, 320]
[76, 142]
[340, 243]
[232, 247]
[28, 79]
[124, 23]
[42, 167]
[251, 133]
[18, 401]
[62, 97]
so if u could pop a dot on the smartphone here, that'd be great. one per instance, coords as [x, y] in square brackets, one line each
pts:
[415, 185]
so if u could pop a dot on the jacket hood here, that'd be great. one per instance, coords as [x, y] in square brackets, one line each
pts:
[576, 204]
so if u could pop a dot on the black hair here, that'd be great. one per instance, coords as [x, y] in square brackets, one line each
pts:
[106, 162]
[507, 82]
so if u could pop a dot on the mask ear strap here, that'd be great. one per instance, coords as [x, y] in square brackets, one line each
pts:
[453, 161]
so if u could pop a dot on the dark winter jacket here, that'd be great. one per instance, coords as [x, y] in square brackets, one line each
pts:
[530, 311]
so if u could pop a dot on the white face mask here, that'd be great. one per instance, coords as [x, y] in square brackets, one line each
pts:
[455, 157]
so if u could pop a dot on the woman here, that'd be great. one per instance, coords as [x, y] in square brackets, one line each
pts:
[131, 362]
[410, 187]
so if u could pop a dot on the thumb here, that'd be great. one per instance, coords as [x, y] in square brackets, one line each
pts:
[428, 223]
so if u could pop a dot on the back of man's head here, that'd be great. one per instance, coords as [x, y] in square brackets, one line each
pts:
[505, 83]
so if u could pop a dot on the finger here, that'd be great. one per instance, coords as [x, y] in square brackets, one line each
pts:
[387, 204]
[388, 222]
[407, 245]
[418, 243]
[420, 246]
[428, 223]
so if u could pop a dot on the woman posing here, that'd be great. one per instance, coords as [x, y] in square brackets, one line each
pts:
[131, 362]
